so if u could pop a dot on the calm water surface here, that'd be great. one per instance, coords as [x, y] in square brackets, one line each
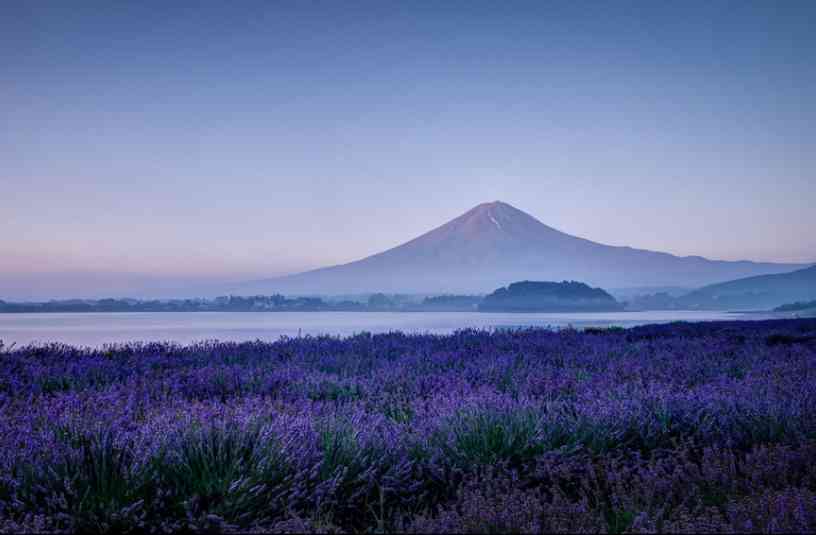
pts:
[97, 329]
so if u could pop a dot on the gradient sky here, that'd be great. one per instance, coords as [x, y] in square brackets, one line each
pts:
[149, 145]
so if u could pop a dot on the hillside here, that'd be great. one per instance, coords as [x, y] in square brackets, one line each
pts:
[799, 306]
[495, 243]
[762, 292]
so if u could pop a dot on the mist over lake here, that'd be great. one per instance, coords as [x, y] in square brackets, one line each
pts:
[97, 329]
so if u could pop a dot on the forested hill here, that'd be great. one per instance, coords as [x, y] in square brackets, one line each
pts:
[532, 296]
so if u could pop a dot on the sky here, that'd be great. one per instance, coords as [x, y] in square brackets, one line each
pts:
[149, 146]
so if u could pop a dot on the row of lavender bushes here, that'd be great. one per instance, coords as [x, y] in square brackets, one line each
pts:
[672, 428]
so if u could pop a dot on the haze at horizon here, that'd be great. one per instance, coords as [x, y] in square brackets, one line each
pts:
[154, 145]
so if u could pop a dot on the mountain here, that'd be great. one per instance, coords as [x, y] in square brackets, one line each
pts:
[533, 296]
[495, 243]
[762, 292]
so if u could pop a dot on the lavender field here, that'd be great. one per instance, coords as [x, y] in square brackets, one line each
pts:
[684, 427]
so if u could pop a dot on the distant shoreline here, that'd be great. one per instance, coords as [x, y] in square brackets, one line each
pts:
[780, 315]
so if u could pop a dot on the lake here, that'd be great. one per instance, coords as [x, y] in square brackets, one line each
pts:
[97, 329]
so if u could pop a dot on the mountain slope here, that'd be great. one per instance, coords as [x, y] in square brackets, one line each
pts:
[761, 292]
[494, 244]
